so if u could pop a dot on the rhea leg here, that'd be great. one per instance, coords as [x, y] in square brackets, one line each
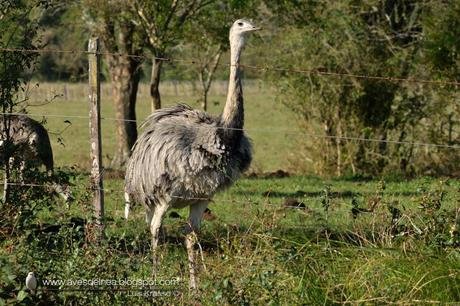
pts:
[64, 191]
[127, 205]
[195, 216]
[22, 169]
[148, 216]
[155, 224]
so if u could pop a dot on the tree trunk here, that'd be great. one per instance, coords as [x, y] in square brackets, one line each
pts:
[155, 84]
[204, 101]
[209, 71]
[125, 80]
[118, 38]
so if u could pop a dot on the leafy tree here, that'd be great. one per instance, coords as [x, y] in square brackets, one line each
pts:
[373, 37]
[442, 39]
[207, 35]
[113, 22]
[163, 23]
[62, 28]
[19, 21]
[18, 32]
[440, 60]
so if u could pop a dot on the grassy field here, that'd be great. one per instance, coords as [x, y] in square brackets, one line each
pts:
[275, 238]
[270, 126]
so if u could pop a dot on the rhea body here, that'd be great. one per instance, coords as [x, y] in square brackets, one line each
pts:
[30, 140]
[30, 143]
[184, 156]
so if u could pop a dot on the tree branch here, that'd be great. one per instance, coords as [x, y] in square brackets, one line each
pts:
[213, 67]
[149, 27]
[172, 10]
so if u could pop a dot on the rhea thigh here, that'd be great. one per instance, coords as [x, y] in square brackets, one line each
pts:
[196, 214]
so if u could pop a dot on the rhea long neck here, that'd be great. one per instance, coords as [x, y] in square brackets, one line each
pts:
[233, 115]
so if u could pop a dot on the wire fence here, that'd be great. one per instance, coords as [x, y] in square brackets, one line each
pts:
[270, 130]
[320, 72]
[266, 201]
[305, 206]
[119, 191]
[70, 92]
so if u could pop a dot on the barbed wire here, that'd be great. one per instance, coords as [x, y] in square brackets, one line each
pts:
[320, 71]
[304, 71]
[138, 56]
[271, 130]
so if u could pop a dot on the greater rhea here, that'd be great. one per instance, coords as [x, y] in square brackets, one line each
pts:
[184, 156]
[29, 144]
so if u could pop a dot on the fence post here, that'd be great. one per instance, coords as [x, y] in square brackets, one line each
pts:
[94, 59]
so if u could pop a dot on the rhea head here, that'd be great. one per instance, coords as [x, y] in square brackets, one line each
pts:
[238, 32]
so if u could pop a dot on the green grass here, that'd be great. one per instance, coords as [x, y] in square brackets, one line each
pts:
[268, 124]
[255, 250]
[258, 252]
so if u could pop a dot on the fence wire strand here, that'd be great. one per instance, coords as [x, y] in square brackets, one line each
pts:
[266, 68]
[321, 71]
[247, 201]
[110, 190]
[272, 130]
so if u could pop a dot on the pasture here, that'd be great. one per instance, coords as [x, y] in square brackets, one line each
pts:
[275, 238]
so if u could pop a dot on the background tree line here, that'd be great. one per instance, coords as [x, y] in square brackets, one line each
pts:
[396, 38]
[401, 39]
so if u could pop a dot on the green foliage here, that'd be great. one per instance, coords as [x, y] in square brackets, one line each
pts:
[442, 41]
[113, 23]
[375, 38]
[63, 29]
[18, 31]
[27, 202]
[20, 27]
[21, 204]
[164, 22]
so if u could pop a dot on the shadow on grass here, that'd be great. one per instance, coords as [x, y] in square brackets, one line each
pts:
[316, 194]
[216, 237]
[56, 236]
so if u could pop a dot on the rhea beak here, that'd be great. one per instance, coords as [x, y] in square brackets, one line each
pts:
[255, 29]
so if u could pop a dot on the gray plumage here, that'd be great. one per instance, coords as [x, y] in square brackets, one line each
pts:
[31, 147]
[183, 153]
[184, 156]
[30, 141]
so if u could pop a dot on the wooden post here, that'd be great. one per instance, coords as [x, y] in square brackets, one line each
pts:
[94, 60]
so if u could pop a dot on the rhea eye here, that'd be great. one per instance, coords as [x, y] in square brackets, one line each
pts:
[240, 24]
